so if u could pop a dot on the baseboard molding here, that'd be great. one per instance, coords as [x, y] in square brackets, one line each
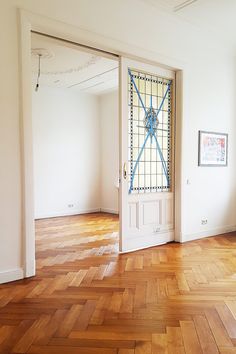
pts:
[109, 211]
[30, 268]
[207, 233]
[67, 213]
[11, 275]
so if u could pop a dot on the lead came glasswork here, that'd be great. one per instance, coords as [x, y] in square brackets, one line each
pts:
[149, 133]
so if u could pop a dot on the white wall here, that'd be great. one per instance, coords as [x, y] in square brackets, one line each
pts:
[109, 151]
[66, 129]
[209, 95]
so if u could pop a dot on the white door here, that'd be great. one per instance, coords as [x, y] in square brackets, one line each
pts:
[146, 155]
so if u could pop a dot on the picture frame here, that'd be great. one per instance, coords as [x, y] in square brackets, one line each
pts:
[212, 149]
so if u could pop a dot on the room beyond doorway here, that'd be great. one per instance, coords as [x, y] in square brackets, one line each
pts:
[75, 123]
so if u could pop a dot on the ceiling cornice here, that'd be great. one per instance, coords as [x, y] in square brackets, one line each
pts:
[170, 5]
[93, 60]
[183, 5]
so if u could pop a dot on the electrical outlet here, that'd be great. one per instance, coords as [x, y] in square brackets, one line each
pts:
[204, 221]
[70, 205]
[157, 229]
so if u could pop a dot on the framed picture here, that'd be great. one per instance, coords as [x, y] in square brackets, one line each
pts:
[212, 149]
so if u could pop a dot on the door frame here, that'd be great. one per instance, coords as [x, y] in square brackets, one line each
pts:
[29, 22]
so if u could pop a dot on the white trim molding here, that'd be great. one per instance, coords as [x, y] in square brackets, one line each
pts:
[11, 275]
[76, 212]
[67, 213]
[109, 211]
[207, 233]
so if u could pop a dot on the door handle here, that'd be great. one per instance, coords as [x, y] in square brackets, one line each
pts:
[125, 171]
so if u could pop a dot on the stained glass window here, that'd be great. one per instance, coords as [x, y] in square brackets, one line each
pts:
[150, 130]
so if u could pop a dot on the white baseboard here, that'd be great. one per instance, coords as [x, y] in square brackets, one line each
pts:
[67, 213]
[110, 211]
[207, 233]
[30, 268]
[11, 275]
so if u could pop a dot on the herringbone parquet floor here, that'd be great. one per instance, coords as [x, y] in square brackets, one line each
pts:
[87, 299]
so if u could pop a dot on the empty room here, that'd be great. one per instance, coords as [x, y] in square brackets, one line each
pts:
[75, 121]
[118, 163]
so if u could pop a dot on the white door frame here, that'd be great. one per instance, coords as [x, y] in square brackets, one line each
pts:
[32, 22]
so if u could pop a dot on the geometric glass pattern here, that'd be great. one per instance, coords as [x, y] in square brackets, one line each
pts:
[149, 132]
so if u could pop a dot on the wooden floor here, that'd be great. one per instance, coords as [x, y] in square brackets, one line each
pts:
[88, 299]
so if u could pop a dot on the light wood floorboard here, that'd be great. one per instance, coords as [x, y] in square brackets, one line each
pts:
[86, 298]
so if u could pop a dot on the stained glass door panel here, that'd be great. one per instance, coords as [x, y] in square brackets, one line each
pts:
[150, 111]
[147, 155]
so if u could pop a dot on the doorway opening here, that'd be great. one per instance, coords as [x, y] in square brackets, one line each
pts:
[75, 149]
[139, 214]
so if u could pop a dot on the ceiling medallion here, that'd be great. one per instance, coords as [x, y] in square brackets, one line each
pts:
[42, 52]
